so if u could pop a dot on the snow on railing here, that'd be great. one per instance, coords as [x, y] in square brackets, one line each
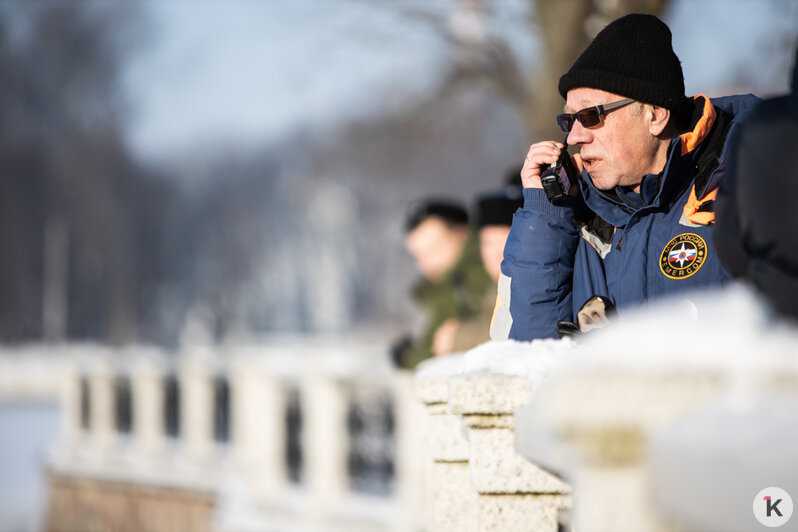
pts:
[674, 418]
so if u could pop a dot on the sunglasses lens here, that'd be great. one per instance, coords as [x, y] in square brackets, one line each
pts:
[588, 117]
[565, 121]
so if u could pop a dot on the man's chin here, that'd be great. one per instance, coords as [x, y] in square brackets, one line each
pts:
[602, 183]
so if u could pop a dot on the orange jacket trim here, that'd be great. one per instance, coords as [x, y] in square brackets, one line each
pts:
[691, 208]
[692, 139]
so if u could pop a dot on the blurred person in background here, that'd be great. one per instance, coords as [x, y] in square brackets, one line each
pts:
[453, 280]
[494, 215]
[635, 222]
[755, 234]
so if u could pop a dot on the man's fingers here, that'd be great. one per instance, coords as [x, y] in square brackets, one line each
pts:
[543, 153]
[539, 154]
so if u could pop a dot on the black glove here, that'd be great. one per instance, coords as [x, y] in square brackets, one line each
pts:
[567, 328]
[398, 349]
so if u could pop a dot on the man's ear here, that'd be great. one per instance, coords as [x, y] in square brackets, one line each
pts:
[658, 119]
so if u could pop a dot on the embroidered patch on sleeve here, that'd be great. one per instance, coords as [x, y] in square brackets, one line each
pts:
[683, 256]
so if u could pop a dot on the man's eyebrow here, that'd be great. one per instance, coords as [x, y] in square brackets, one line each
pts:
[586, 104]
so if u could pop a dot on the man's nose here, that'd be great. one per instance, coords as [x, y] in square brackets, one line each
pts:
[579, 134]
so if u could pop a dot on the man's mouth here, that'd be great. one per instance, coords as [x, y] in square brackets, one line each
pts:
[589, 162]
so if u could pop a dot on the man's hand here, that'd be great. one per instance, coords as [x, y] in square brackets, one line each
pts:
[542, 154]
[443, 341]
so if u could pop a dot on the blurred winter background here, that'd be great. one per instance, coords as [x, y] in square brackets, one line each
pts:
[244, 166]
[248, 163]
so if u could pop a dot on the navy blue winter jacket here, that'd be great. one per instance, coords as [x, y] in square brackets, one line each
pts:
[639, 247]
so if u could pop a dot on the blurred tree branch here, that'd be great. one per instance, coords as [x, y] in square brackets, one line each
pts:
[566, 28]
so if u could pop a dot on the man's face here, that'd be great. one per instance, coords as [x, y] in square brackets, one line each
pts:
[435, 247]
[491, 247]
[621, 149]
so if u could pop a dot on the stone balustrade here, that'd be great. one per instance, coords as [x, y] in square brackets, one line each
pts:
[639, 423]
[673, 419]
[479, 481]
[221, 438]
[631, 415]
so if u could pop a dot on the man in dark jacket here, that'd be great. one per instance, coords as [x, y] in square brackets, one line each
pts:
[453, 280]
[637, 224]
[494, 214]
[757, 220]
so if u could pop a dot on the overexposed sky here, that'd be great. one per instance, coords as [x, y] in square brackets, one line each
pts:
[249, 71]
[721, 40]
[252, 69]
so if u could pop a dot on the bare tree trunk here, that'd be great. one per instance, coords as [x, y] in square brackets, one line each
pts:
[566, 27]
[56, 279]
[561, 26]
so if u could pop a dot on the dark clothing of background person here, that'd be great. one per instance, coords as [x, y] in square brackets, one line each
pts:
[494, 211]
[756, 231]
[459, 294]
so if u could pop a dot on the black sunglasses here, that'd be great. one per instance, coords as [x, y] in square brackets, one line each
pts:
[589, 116]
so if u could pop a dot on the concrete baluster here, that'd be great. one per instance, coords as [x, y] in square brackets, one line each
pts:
[72, 431]
[147, 376]
[412, 454]
[602, 420]
[454, 501]
[514, 493]
[258, 426]
[324, 439]
[196, 407]
[101, 403]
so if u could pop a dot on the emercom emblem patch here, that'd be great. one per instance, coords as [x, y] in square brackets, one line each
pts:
[683, 256]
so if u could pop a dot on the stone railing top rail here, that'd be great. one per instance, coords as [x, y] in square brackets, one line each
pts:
[532, 360]
[281, 358]
[659, 364]
[493, 378]
[636, 371]
[288, 359]
[432, 378]
[660, 360]
[724, 330]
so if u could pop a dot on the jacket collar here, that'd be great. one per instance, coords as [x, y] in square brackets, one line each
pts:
[615, 206]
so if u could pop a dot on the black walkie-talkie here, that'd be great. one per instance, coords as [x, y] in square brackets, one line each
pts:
[559, 177]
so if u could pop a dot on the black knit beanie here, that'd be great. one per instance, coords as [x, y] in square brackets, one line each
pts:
[497, 207]
[632, 57]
